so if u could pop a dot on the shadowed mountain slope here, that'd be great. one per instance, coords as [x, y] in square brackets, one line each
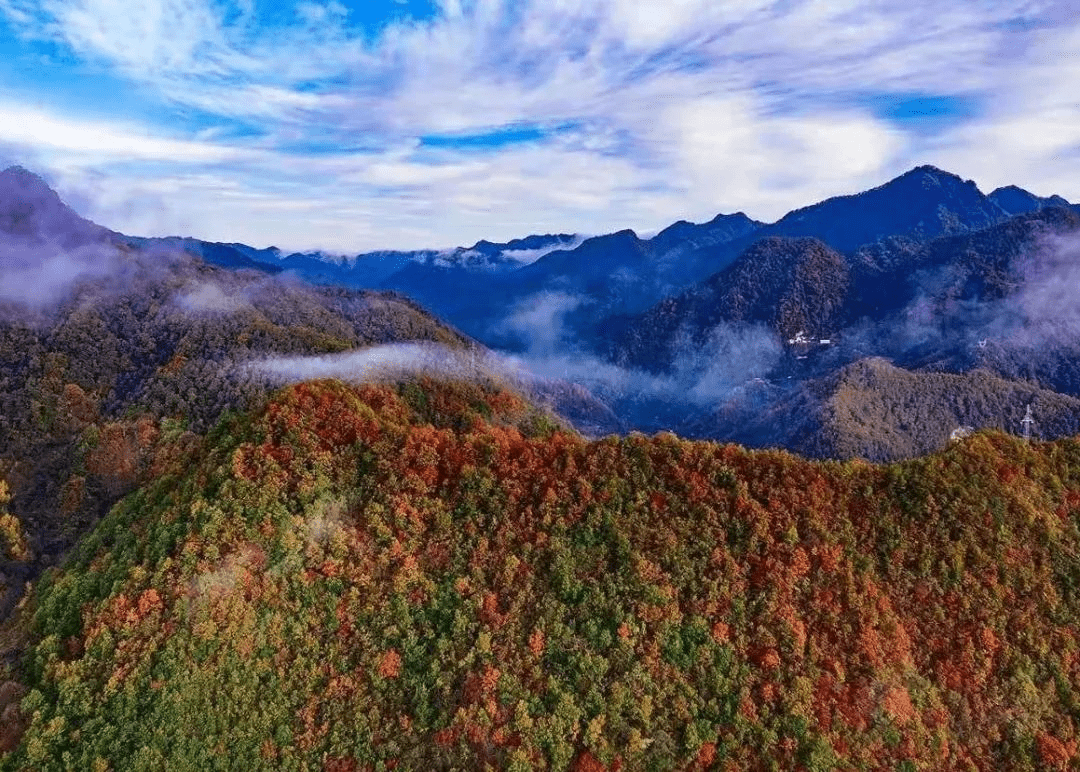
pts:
[1014, 200]
[875, 298]
[790, 285]
[874, 410]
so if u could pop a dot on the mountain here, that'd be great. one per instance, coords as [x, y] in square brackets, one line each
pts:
[875, 410]
[449, 282]
[487, 256]
[753, 353]
[88, 390]
[391, 269]
[34, 216]
[791, 285]
[721, 229]
[614, 273]
[144, 343]
[32, 211]
[223, 255]
[427, 577]
[910, 271]
[956, 283]
[247, 522]
[922, 204]
[1014, 200]
[621, 273]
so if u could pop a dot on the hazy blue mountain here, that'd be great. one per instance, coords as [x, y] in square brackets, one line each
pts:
[923, 203]
[479, 287]
[223, 255]
[1014, 200]
[719, 230]
[32, 211]
[623, 270]
[268, 255]
[488, 256]
[788, 284]
[621, 273]
[988, 298]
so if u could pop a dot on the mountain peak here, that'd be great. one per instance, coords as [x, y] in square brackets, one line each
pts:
[1015, 200]
[17, 181]
[922, 203]
[720, 229]
[29, 208]
[932, 170]
[930, 175]
[19, 172]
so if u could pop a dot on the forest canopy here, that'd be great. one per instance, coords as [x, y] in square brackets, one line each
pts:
[433, 575]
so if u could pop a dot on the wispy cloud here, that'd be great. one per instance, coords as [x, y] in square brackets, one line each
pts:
[210, 298]
[703, 376]
[37, 277]
[627, 113]
[96, 141]
[377, 364]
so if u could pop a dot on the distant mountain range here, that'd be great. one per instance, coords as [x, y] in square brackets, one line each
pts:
[621, 273]
[721, 329]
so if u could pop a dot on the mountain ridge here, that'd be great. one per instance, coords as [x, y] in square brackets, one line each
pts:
[626, 299]
[422, 578]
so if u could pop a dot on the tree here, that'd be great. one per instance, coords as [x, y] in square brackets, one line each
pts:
[15, 546]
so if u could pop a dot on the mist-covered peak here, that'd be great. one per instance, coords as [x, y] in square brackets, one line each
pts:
[22, 176]
[21, 193]
[31, 210]
[532, 242]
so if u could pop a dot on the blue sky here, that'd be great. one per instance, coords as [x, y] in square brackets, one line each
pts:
[351, 126]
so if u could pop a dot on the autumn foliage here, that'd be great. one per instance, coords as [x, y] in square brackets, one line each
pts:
[434, 576]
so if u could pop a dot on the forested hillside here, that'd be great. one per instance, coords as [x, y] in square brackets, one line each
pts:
[874, 410]
[432, 576]
[94, 389]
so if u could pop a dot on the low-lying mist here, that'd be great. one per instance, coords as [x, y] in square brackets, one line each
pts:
[37, 276]
[703, 375]
[378, 364]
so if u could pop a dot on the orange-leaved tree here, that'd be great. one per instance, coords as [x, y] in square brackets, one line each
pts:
[11, 531]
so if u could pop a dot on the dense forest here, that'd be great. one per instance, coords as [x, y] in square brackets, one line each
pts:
[434, 575]
[96, 386]
[873, 410]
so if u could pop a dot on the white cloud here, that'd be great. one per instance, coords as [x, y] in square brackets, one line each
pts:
[730, 154]
[378, 364]
[526, 256]
[1030, 133]
[320, 13]
[40, 276]
[209, 298]
[92, 141]
[676, 110]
